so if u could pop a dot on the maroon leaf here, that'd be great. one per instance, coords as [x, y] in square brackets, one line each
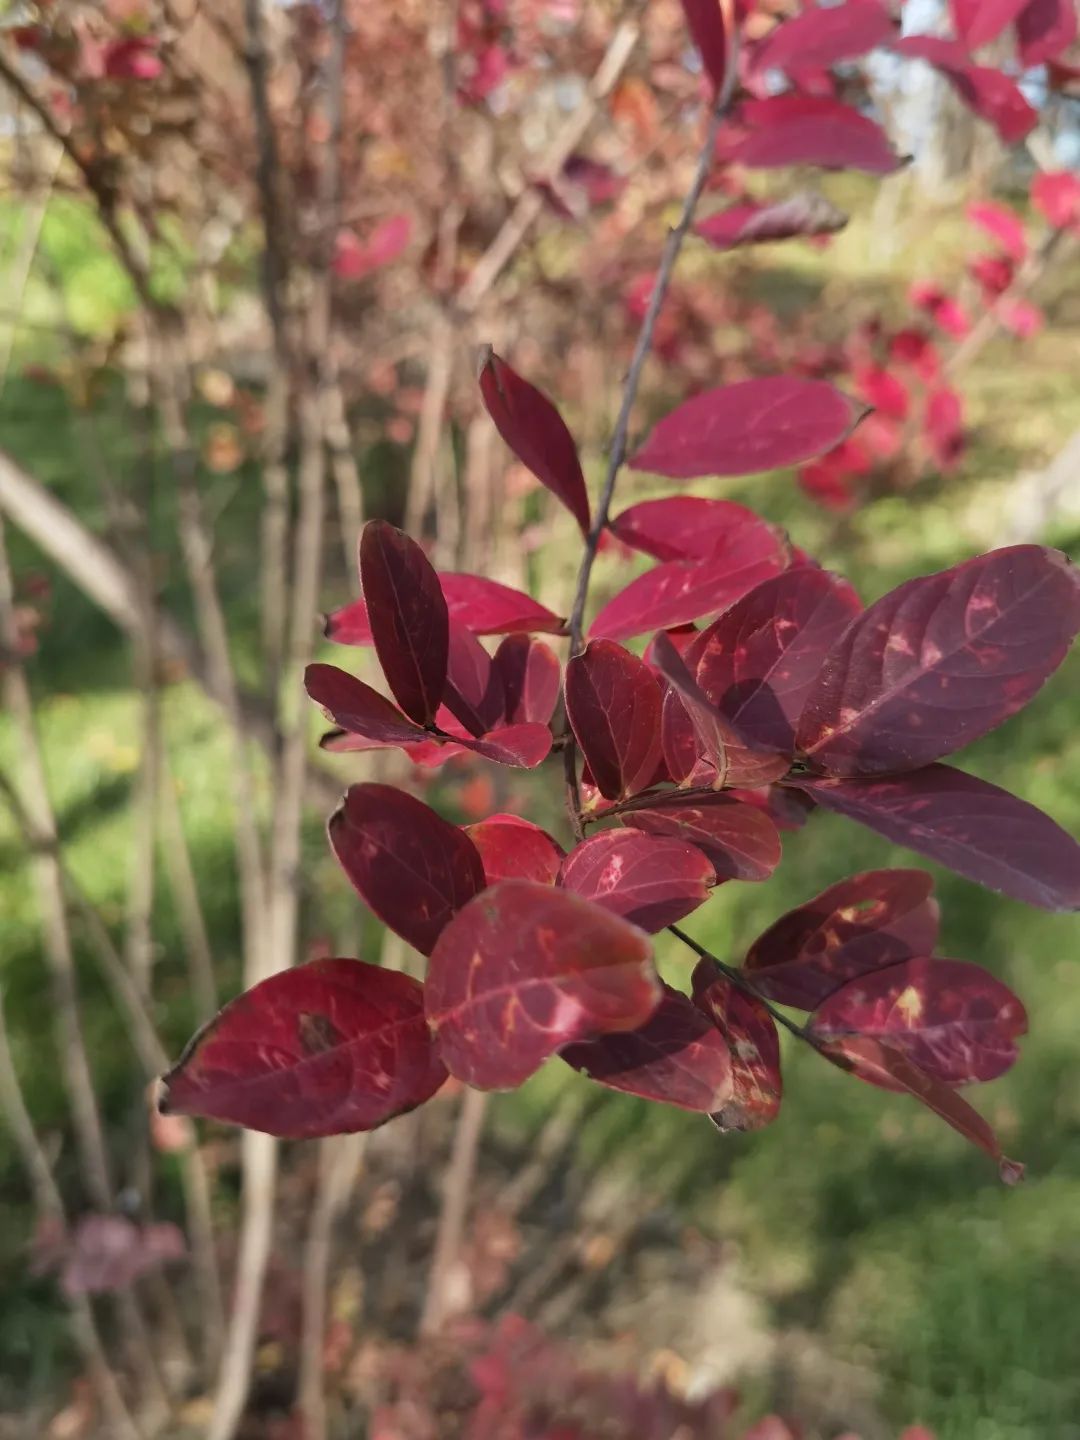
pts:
[819, 38]
[978, 22]
[989, 93]
[809, 130]
[530, 675]
[650, 880]
[358, 708]
[973, 827]
[802, 214]
[711, 736]
[515, 849]
[952, 1019]
[759, 660]
[524, 746]
[866, 922]
[749, 1032]
[613, 705]
[409, 622]
[885, 1065]
[526, 969]
[681, 591]
[1044, 29]
[681, 745]
[710, 26]
[412, 867]
[684, 527]
[328, 1048]
[741, 841]
[676, 1058]
[483, 606]
[474, 693]
[536, 433]
[940, 661]
[749, 427]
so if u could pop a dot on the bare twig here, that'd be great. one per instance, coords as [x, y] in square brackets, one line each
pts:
[185, 894]
[742, 982]
[457, 1186]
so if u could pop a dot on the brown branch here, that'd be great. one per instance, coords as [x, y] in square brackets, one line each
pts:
[180, 874]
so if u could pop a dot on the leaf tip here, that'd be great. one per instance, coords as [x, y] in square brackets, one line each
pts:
[1011, 1171]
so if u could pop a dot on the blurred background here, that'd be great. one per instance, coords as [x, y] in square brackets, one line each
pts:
[249, 251]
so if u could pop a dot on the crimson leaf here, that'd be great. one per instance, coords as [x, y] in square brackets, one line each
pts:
[358, 708]
[522, 745]
[988, 92]
[526, 969]
[413, 868]
[474, 692]
[752, 1040]
[483, 606]
[740, 840]
[1044, 29]
[650, 880]
[978, 22]
[819, 38]
[408, 615]
[515, 849]
[327, 1048]
[710, 26]
[685, 527]
[530, 676]
[613, 705]
[810, 130]
[804, 213]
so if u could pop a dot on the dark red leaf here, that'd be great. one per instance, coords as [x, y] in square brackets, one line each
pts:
[865, 923]
[408, 615]
[802, 214]
[515, 849]
[819, 38]
[650, 880]
[536, 433]
[676, 1058]
[681, 744]
[524, 746]
[711, 737]
[752, 1040]
[952, 1019]
[530, 674]
[483, 606]
[741, 841]
[358, 708]
[977, 22]
[684, 527]
[412, 867]
[1002, 224]
[759, 660]
[1056, 193]
[474, 692]
[809, 130]
[749, 427]
[328, 1048]
[681, 591]
[710, 26]
[940, 661]
[353, 259]
[1044, 30]
[943, 426]
[613, 705]
[526, 969]
[967, 824]
[989, 93]
[885, 1065]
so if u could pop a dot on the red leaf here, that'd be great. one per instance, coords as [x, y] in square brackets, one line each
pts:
[741, 841]
[676, 1058]
[969, 825]
[885, 1065]
[802, 214]
[1057, 194]
[353, 260]
[1001, 224]
[327, 1048]
[747, 428]
[819, 38]
[759, 660]
[526, 969]
[524, 746]
[483, 606]
[681, 591]
[987, 92]
[515, 849]
[412, 867]
[409, 622]
[709, 23]
[885, 391]
[685, 527]
[809, 130]
[530, 674]
[752, 1040]
[613, 705]
[536, 433]
[358, 708]
[865, 923]
[1044, 30]
[473, 693]
[978, 22]
[943, 425]
[953, 1020]
[940, 661]
[649, 880]
[134, 57]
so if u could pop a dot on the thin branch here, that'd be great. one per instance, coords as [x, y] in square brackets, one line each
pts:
[457, 1187]
[185, 895]
[741, 982]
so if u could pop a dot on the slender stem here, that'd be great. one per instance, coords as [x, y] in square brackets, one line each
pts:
[457, 1187]
[739, 979]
